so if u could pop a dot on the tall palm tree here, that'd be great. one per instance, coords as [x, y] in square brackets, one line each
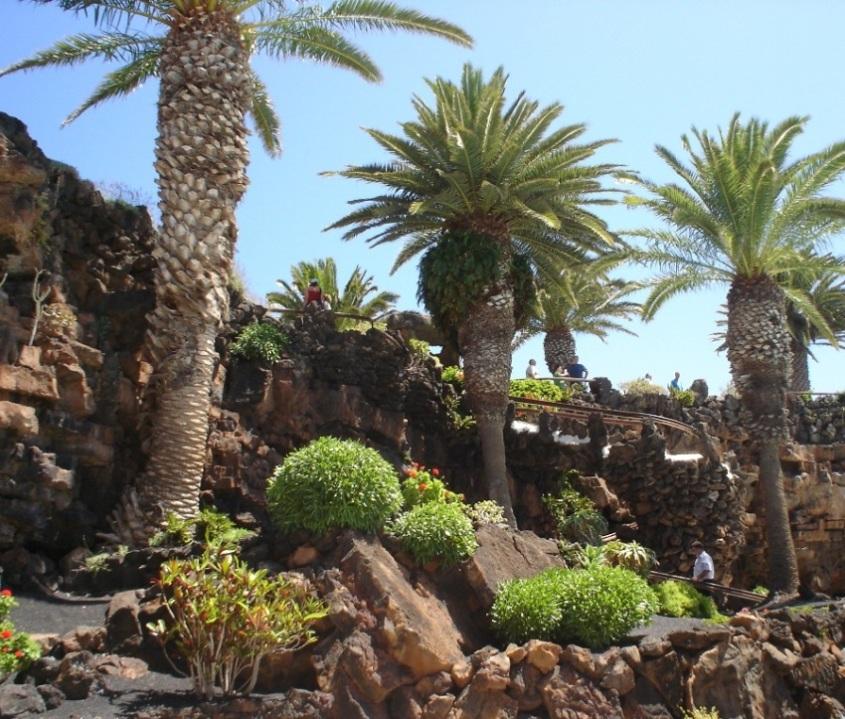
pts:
[355, 298]
[583, 303]
[491, 194]
[201, 55]
[827, 294]
[747, 217]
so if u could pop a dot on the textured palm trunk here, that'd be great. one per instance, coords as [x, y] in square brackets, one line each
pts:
[759, 354]
[800, 381]
[485, 341]
[558, 348]
[201, 159]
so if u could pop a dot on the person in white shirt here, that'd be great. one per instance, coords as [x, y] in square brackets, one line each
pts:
[703, 570]
[532, 372]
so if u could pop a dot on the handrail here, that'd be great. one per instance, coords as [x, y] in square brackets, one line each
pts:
[742, 594]
[616, 416]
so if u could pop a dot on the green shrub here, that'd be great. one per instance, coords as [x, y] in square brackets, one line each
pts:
[680, 599]
[701, 713]
[457, 418]
[640, 387]
[528, 608]
[436, 531]
[260, 341]
[600, 605]
[575, 516]
[761, 590]
[454, 376]
[487, 511]
[594, 607]
[17, 649]
[629, 555]
[420, 348]
[333, 483]
[686, 397]
[541, 389]
[224, 617]
[424, 485]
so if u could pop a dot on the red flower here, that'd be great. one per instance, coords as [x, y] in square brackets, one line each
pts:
[6, 634]
[412, 472]
[422, 486]
[5, 592]
[18, 653]
[435, 472]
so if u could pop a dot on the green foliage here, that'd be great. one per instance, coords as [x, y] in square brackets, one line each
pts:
[436, 531]
[541, 389]
[593, 607]
[640, 387]
[97, 562]
[420, 349]
[487, 511]
[629, 555]
[457, 418]
[17, 649]
[701, 713]
[686, 397]
[761, 590]
[524, 290]
[454, 376]
[224, 617]
[260, 341]
[680, 599]
[332, 483]
[575, 516]
[211, 527]
[528, 608]
[424, 485]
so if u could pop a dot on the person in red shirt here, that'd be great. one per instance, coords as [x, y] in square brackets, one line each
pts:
[314, 295]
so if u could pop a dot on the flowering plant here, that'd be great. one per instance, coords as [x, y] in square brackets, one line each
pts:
[17, 649]
[425, 485]
[7, 603]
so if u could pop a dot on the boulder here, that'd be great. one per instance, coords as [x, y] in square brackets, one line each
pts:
[18, 418]
[77, 674]
[20, 700]
[123, 627]
[415, 624]
[476, 701]
[503, 554]
[40, 383]
[568, 695]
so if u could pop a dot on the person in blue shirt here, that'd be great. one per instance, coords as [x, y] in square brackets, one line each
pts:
[576, 369]
[675, 384]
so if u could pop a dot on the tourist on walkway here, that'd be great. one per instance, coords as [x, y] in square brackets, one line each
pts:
[575, 369]
[532, 372]
[675, 384]
[703, 570]
[314, 296]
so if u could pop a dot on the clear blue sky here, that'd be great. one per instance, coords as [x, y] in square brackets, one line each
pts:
[642, 72]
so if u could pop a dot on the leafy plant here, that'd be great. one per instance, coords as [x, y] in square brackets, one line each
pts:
[576, 518]
[686, 397]
[458, 419]
[539, 389]
[420, 348]
[679, 599]
[7, 603]
[224, 617]
[629, 555]
[436, 531]
[761, 590]
[487, 511]
[528, 608]
[213, 528]
[701, 713]
[641, 387]
[454, 376]
[260, 341]
[593, 607]
[97, 562]
[333, 483]
[424, 485]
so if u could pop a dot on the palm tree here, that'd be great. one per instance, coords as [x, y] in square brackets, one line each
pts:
[355, 298]
[201, 56]
[827, 294]
[491, 194]
[746, 217]
[583, 303]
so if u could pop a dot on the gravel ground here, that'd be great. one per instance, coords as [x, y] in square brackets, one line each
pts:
[41, 615]
[661, 625]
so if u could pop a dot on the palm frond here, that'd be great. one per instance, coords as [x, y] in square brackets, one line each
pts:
[264, 116]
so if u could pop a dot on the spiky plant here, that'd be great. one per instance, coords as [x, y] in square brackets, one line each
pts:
[200, 51]
[493, 196]
[360, 295]
[747, 217]
[583, 302]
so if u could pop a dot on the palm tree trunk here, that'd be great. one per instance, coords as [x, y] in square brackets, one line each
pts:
[759, 354]
[485, 341]
[558, 348]
[800, 367]
[201, 159]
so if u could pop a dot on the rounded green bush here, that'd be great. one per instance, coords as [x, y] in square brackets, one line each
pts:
[435, 530]
[528, 608]
[593, 607]
[679, 599]
[538, 389]
[333, 483]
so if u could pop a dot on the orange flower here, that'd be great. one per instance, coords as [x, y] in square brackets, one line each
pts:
[18, 653]
[435, 472]
[6, 634]
[412, 472]
[422, 486]
[5, 592]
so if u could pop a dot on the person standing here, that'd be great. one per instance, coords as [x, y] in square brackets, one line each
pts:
[532, 372]
[575, 369]
[675, 384]
[314, 295]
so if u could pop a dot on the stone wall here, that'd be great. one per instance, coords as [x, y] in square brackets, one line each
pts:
[69, 402]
